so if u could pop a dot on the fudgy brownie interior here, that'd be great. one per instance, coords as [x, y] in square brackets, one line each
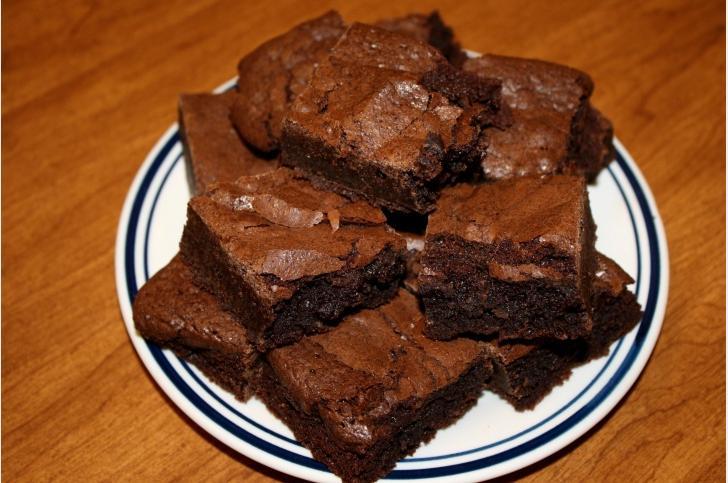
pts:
[288, 259]
[523, 373]
[513, 258]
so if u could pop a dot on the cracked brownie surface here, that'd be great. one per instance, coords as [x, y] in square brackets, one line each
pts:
[368, 392]
[388, 119]
[271, 76]
[554, 129]
[287, 258]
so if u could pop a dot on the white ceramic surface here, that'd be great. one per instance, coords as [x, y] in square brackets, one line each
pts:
[492, 439]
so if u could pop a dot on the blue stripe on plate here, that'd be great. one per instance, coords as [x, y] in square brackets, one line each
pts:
[649, 312]
[136, 210]
[206, 387]
[244, 435]
[151, 216]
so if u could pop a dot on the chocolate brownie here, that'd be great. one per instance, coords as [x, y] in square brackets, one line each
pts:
[616, 310]
[513, 258]
[428, 28]
[213, 150]
[387, 118]
[172, 312]
[288, 259]
[272, 75]
[554, 129]
[525, 373]
[369, 392]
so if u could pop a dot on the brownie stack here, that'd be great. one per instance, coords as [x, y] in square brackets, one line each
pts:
[382, 229]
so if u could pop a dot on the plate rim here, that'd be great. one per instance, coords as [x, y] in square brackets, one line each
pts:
[508, 465]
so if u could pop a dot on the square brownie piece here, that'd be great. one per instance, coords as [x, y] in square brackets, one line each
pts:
[288, 259]
[513, 258]
[554, 129]
[171, 311]
[428, 28]
[615, 308]
[272, 75]
[388, 119]
[369, 392]
[213, 150]
[525, 373]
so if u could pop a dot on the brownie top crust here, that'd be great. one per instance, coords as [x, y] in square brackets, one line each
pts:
[283, 198]
[548, 210]
[393, 107]
[366, 99]
[371, 365]
[428, 28]
[374, 47]
[169, 308]
[278, 224]
[544, 99]
[390, 123]
[370, 46]
[609, 277]
[215, 151]
[272, 75]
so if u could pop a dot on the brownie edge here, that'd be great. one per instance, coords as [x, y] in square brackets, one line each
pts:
[524, 373]
[171, 311]
[288, 259]
[429, 28]
[369, 392]
[513, 258]
[271, 76]
[388, 119]
[212, 149]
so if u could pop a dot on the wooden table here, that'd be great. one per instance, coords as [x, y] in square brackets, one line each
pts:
[88, 87]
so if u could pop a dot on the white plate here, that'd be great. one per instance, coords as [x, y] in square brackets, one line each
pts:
[492, 439]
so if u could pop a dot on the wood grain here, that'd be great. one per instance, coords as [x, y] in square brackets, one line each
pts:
[89, 86]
